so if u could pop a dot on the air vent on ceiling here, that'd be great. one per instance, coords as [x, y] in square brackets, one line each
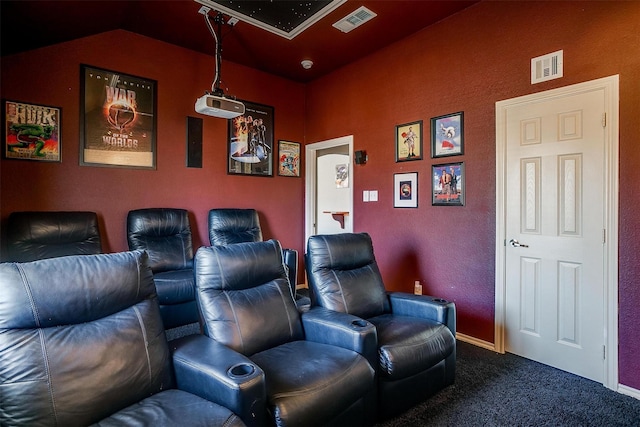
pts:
[354, 19]
[546, 67]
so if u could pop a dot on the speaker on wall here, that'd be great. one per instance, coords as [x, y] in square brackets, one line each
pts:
[194, 142]
[360, 157]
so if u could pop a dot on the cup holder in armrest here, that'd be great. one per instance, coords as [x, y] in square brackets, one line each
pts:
[440, 300]
[241, 370]
[360, 323]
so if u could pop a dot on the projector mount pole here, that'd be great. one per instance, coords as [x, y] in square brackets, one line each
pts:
[217, 37]
[219, 20]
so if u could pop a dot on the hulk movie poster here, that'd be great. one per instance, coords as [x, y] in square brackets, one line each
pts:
[119, 123]
[32, 132]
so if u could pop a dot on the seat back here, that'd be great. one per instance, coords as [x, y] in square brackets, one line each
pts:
[38, 235]
[244, 298]
[165, 233]
[228, 226]
[80, 338]
[344, 276]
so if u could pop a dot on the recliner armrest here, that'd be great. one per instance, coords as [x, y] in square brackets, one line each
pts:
[341, 330]
[425, 307]
[211, 370]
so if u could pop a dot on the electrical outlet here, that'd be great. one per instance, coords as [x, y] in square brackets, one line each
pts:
[417, 288]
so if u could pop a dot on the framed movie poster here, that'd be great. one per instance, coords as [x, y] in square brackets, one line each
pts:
[118, 119]
[250, 144]
[447, 135]
[447, 184]
[32, 131]
[409, 141]
[288, 158]
[405, 190]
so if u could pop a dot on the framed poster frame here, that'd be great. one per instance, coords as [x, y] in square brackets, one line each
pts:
[32, 131]
[448, 191]
[409, 141]
[250, 141]
[447, 135]
[405, 190]
[118, 119]
[288, 158]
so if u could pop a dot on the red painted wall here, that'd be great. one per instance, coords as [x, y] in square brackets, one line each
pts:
[51, 76]
[467, 63]
[464, 63]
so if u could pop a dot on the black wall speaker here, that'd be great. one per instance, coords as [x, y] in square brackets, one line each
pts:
[194, 142]
[361, 157]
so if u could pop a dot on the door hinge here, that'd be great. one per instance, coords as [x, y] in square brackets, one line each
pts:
[604, 352]
[604, 120]
[604, 235]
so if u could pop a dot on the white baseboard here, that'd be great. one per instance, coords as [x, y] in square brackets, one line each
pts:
[623, 389]
[475, 341]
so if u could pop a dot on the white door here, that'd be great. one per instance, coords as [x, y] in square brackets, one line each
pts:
[329, 187]
[555, 231]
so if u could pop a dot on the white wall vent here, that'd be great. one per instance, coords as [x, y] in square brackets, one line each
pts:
[546, 67]
[355, 19]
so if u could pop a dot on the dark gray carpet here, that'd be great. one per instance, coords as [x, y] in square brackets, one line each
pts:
[494, 389]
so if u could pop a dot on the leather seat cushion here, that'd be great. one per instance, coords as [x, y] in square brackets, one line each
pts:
[175, 287]
[173, 408]
[409, 345]
[309, 383]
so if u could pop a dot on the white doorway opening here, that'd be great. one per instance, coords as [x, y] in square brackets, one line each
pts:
[328, 197]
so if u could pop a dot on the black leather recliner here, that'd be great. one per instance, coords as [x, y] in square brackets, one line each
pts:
[316, 364]
[38, 235]
[82, 342]
[416, 333]
[165, 233]
[229, 225]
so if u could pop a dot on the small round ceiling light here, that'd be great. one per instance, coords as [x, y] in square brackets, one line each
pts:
[306, 64]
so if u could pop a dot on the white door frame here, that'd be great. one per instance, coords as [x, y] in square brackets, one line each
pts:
[611, 89]
[310, 179]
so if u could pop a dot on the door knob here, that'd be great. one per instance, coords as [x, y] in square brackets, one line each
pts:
[516, 244]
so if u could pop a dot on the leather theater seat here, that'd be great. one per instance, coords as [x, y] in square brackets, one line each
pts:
[229, 225]
[165, 233]
[45, 234]
[316, 364]
[82, 342]
[416, 333]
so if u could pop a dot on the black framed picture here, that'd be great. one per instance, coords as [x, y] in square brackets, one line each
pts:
[250, 142]
[118, 119]
[447, 184]
[409, 141]
[447, 135]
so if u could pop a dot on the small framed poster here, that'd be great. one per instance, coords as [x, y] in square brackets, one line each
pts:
[32, 131]
[447, 135]
[405, 190]
[288, 158]
[409, 141]
[447, 184]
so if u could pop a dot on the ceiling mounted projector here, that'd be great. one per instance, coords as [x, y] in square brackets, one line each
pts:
[219, 106]
[215, 103]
